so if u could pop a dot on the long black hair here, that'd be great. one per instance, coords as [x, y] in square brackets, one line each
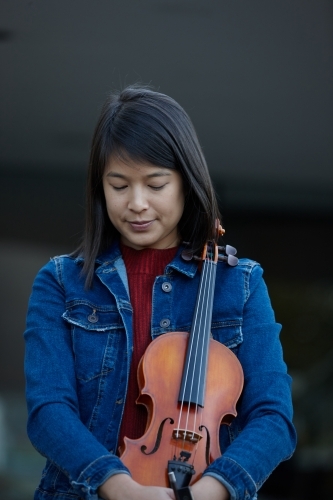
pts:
[140, 124]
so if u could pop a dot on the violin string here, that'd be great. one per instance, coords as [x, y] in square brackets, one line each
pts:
[200, 329]
[207, 276]
[200, 342]
[190, 348]
[197, 338]
[206, 324]
[186, 374]
[197, 443]
[192, 340]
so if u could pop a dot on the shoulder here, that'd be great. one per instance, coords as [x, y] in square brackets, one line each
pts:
[66, 271]
[250, 268]
[239, 280]
[67, 265]
[245, 267]
[55, 272]
[57, 263]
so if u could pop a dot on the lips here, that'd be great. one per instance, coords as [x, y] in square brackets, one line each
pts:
[140, 225]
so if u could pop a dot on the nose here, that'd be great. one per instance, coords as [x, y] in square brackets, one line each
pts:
[138, 201]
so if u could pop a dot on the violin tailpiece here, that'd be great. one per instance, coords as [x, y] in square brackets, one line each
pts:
[181, 493]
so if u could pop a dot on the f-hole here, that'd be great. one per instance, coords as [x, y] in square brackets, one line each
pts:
[207, 453]
[158, 438]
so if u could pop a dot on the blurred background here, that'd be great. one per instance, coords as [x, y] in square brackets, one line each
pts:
[256, 78]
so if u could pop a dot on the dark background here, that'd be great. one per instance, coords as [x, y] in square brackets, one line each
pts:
[256, 78]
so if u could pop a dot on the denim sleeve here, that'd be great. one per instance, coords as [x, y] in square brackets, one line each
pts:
[54, 425]
[262, 435]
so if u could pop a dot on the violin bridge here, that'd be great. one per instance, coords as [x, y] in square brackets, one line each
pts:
[186, 435]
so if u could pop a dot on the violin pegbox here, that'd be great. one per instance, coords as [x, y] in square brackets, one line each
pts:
[226, 254]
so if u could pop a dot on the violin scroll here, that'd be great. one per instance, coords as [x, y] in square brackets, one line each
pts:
[220, 231]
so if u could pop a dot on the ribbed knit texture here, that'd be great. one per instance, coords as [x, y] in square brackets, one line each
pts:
[142, 267]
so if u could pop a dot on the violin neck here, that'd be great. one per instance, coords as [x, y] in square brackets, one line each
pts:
[193, 382]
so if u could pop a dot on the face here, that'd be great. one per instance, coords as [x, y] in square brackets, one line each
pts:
[144, 203]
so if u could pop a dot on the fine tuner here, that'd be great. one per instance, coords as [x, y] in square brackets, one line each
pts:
[228, 255]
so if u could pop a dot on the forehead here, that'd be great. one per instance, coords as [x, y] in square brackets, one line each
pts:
[118, 167]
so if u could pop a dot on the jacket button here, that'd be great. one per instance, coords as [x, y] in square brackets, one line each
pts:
[166, 287]
[164, 323]
[93, 318]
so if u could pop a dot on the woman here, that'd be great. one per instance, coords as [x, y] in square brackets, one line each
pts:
[92, 315]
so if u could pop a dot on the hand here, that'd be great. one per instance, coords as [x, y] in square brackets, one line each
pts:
[209, 487]
[123, 487]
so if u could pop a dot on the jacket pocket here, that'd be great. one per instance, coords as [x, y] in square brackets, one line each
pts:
[91, 317]
[96, 332]
[228, 332]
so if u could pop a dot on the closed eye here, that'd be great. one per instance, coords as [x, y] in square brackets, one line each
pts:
[158, 188]
[119, 188]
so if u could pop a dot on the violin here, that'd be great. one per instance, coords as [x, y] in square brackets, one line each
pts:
[189, 384]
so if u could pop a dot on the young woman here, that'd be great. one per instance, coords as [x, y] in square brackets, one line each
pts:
[93, 314]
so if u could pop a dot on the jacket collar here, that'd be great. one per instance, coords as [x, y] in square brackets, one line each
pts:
[189, 268]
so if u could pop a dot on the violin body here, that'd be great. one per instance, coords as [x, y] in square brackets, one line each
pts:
[180, 431]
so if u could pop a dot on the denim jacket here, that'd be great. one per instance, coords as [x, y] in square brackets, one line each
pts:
[78, 353]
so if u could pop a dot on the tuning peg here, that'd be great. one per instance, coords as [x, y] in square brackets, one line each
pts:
[187, 254]
[232, 261]
[229, 250]
[229, 259]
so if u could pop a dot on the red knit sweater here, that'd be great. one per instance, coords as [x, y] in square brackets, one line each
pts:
[142, 267]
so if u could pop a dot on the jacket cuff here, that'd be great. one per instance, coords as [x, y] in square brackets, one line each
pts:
[241, 487]
[96, 474]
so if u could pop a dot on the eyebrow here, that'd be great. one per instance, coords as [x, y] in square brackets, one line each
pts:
[154, 174]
